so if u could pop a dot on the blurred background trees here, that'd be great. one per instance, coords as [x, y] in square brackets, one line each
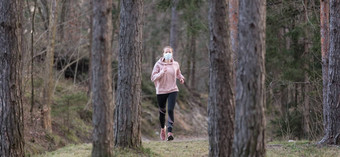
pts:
[293, 67]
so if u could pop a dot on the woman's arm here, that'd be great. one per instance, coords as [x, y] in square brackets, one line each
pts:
[179, 74]
[156, 73]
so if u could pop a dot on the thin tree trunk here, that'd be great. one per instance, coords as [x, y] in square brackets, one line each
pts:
[174, 25]
[250, 90]
[332, 130]
[101, 70]
[153, 57]
[63, 14]
[188, 71]
[76, 68]
[193, 59]
[306, 120]
[32, 60]
[45, 13]
[324, 20]
[127, 127]
[89, 92]
[283, 101]
[11, 107]
[48, 78]
[221, 106]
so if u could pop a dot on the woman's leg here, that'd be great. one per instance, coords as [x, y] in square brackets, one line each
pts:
[161, 99]
[171, 106]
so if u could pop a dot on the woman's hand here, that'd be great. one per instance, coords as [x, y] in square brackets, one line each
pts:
[182, 81]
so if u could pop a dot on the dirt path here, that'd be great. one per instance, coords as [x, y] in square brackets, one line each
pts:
[181, 147]
[198, 147]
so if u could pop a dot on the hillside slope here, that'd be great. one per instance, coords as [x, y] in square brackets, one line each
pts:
[72, 116]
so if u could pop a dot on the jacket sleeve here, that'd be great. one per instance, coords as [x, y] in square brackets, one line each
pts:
[156, 73]
[179, 74]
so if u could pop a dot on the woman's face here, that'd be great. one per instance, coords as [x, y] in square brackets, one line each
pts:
[167, 50]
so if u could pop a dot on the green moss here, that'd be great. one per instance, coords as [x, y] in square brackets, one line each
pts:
[33, 148]
[55, 139]
[59, 89]
[69, 103]
[70, 135]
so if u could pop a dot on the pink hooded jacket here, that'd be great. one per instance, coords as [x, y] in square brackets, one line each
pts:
[165, 82]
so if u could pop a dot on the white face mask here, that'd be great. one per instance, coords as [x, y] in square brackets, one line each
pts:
[167, 56]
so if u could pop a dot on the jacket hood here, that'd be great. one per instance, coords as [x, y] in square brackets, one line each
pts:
[160, 61]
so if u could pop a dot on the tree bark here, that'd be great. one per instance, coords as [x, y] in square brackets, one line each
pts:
[306, 121]
[233, 22]
[32, 60]
[332, 130]
[306, 108]
[101, 70]
[63, 13]
[284, 101]
[45, 13]
[48, 78]
[174, 25]
[221, 90]
[324, 30]
[11, 107]
[127, 127]
[89, 92]
[188, 56]
[193, 59]
[250, 90]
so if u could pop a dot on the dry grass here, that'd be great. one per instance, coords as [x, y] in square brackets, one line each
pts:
[191, 148]
[300, 149]
[199, 148]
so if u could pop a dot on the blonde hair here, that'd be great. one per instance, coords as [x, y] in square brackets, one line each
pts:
[168, 47]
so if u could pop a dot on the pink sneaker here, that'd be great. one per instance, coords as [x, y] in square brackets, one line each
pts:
[162, 134]
[170, 136]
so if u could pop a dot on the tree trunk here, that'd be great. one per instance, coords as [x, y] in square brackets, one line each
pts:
[153, 57]
[306, 107]
[221, 106]
[283, 101]
[89, 92]
[188, 46]
[32, 60]
[63, 13]
[11, 108]
[174, 25]
[127, 127]
[101, 67]
[45, 13]
[332, 130]
[193, 59]
[233, 22]
[48, 78]
[324, 30]
[250, 90]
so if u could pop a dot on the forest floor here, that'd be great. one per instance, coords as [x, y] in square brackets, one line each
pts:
[72, 127]
[199, 148]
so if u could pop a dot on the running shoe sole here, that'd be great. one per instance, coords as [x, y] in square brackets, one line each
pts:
[170, 138]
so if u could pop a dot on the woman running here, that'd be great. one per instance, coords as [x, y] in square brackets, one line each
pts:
[164, 75]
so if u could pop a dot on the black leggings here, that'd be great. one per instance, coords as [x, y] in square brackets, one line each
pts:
[161, 98]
